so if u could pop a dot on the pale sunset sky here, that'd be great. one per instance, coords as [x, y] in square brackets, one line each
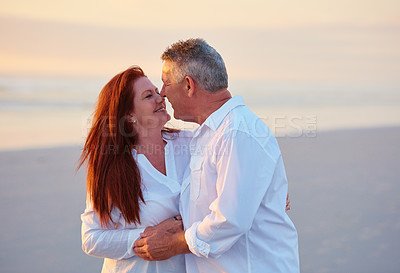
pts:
[337, 60]
[311, 40]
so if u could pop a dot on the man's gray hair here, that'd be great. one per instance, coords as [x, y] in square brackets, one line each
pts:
[197, 59]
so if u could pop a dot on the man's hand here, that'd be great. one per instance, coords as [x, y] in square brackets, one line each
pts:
[158, 245]
[163, 241]
[171, 225]
[287, 202]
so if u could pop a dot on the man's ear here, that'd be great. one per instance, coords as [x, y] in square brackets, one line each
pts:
[190, 86]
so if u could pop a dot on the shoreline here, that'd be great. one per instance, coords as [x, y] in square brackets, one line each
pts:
[318, 132]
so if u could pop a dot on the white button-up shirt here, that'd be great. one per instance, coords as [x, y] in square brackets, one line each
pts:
[161, 194]
[233, 204]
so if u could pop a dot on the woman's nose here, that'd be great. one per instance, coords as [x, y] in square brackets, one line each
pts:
[160, 98]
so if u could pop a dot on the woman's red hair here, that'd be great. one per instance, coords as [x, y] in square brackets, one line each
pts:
[113, 177]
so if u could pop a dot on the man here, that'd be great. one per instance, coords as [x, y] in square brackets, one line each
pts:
[233, 205]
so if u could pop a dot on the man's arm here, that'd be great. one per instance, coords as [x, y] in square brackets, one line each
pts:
[152, 247]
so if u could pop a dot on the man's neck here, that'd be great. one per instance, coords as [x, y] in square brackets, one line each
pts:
[210, 103]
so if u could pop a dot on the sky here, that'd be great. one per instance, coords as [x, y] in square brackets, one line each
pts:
[324, 41]
[207, 13]
[276, 53]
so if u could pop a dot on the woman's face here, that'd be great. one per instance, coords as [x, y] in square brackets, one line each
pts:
[149, 107]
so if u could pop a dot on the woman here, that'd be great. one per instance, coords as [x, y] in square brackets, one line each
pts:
[134, 171]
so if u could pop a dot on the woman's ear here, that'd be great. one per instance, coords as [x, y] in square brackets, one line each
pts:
[132, 118]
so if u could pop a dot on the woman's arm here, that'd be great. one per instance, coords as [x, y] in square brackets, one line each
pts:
[113, 242]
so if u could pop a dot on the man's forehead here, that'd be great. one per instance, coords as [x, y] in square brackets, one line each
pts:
[166, 68]
[166, 72]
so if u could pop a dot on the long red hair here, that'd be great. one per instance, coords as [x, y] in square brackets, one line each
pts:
[113, 177]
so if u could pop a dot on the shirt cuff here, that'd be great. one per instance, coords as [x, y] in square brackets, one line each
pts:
[196, 246]
[134, 235]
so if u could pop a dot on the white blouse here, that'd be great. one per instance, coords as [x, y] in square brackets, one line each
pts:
[161, 194]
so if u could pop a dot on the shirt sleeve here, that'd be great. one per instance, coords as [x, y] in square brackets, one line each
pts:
[113, 243]
[244, 172]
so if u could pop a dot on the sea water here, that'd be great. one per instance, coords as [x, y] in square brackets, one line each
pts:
[52, 111]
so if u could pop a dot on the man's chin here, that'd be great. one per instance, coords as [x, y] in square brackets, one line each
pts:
[185, 118]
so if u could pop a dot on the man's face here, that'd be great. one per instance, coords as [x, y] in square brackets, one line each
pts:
[175, 92]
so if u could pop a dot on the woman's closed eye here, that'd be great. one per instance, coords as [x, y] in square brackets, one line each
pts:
[150, 94]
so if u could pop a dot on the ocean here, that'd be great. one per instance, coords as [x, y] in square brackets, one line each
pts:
[40, 111]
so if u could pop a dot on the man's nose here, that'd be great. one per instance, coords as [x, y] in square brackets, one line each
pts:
[162, 93]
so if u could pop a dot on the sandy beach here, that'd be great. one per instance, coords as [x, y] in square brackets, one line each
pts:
[343, 186]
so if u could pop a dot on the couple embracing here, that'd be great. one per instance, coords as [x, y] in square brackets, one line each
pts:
[167, 200]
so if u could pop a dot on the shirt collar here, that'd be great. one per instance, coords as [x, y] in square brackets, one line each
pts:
[135, 153]
[215, 119]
